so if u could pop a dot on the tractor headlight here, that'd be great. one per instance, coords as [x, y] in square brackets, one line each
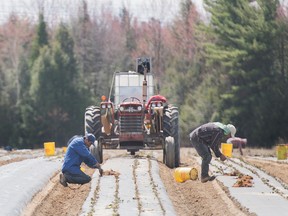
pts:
[109, 106]
[103, 106]
[159, 104]
[153, 105]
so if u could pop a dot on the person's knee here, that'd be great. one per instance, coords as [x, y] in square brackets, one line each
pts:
[87, 180]
[84, 179]
[210, 157]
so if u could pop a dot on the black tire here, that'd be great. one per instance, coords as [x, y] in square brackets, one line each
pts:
[171, 128]
[164, 154]
[97, 151]
[170, 152]
[176, 134]
[166, 130]
[93, 121]
[167, 122]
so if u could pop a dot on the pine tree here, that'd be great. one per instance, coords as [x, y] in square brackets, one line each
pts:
[57, 92]
[40, 40]
[245, 44]
[27, 138]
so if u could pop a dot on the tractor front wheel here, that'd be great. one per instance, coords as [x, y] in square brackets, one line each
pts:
[97, 151]
[169, 152]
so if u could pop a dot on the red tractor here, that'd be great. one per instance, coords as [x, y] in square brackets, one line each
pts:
[134, 124]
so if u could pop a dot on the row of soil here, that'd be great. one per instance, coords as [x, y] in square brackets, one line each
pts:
[188, 198]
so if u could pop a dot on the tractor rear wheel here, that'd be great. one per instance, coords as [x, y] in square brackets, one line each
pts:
[93, 121]
[171, 128]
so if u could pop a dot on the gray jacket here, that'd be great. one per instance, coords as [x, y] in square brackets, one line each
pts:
[211, 135]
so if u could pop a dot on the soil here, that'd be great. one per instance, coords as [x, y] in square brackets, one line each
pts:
[188, 198]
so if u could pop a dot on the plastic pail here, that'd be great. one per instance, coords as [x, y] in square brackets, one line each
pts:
[226, 149]
[281, 152]
[49, 148]
[182, 174]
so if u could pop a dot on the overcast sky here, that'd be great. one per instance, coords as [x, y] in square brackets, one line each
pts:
[163, 10]
[61, 9]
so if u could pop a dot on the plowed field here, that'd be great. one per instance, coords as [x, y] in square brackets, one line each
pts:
[142, 185]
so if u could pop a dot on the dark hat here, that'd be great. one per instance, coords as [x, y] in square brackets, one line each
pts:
[90, 137]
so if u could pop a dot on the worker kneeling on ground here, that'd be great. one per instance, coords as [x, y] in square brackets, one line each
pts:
[78, 152]
[209, 136]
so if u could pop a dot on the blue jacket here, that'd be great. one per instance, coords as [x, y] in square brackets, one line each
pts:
[76, 153]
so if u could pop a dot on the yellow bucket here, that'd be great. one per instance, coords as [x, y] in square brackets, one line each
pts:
[227, 149]
[182, 174]
[281, 152]
[49, 148]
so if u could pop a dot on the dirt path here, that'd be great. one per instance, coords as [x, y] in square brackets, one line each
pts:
[188, 198]
[129, 183]
[195, 198]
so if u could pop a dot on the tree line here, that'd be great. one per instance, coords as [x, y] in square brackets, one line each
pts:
[231, 68]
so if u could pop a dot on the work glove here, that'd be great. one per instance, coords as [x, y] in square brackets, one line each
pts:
[98, 166]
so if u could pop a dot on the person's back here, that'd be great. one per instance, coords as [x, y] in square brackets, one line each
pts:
[72, 138]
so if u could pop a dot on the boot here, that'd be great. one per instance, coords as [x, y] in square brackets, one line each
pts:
[207, 178]
[63, 180]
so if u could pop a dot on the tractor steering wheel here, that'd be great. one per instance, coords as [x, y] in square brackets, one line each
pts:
[131, 99]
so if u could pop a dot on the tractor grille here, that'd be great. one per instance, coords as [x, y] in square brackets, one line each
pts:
[130, 123]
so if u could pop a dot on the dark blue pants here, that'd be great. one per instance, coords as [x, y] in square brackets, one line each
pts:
[77, 178]
[204, 152]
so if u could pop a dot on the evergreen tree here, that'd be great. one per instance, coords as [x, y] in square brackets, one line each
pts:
[57, 93]
[245, 45]
[15, 36]
[28, 123]
[40, 40]
[74, 95]
[130, 39]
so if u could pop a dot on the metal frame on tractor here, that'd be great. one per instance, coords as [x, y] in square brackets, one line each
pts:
[135, 124]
